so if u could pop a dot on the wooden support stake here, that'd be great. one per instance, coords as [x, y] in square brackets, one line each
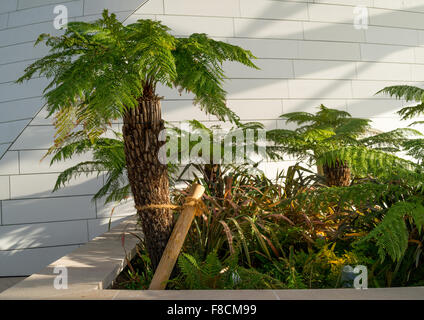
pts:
[176, 241]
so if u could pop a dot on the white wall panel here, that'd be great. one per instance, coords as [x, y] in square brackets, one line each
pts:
[112, 209]
[348, 2]
[11, 72]
[45, 210]
[417, 71]
[28, 33]
[383, 71]
[43, 235]
[268, 48]
[256, 109]
[9, 130]
[22, 52]
[419, 55]
[3, 148]
[9, 163]
[387, 53]
[3, 20]
[265, 9]
[394, 18]
[180, 110]
[33, 88]
[224, 8]
[8, 5]
[4, 188]
[42, 14]
[331, 13]
[329, 50]
[25, 4]
[332, 32]
[308, 69]
[34, 137]
[255, 28]
[27, 261]
[368, 89]
[33, 161]
[392, 35]
[41, 186]
[19, 109]
[410, 5]
[320, 89]
[151, 7]
[268, 69]
[367, 108]
[171, 94]
[184, 25]
[256, 89]
[390, 123]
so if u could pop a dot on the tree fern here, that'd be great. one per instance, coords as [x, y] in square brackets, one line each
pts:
[98, 70]
[337, 142]
[101, 71]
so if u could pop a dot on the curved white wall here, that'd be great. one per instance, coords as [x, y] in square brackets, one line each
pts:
[309, 53]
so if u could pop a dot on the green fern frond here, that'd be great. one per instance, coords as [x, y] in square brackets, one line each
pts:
[100, 70]
[391, 234]
[365, 161]
[414, 148]
[412, 111]
[392, 139]
[409, 93]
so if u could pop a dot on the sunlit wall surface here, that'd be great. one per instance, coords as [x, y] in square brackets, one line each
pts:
[335, 52]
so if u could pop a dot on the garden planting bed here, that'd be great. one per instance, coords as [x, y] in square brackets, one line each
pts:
[93, 267]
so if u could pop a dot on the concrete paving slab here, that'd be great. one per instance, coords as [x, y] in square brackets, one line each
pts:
[196, 295]
[7, 282]
[92, 266]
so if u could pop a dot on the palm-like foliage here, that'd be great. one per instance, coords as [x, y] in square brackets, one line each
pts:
[108, 159]
[333, 139]
[414, 147]
[223, 152]
[99, 70]
[104, 70]
[408, 93]
[328, 129]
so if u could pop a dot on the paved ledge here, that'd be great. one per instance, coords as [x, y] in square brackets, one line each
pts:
[93, 267]
[7, 282]
[416, 293]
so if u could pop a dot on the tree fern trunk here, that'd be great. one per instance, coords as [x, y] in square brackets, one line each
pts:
[338, 174]
[147, 176]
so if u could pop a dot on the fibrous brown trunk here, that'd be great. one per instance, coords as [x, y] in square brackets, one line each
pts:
[148, 177]
[337, 174]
